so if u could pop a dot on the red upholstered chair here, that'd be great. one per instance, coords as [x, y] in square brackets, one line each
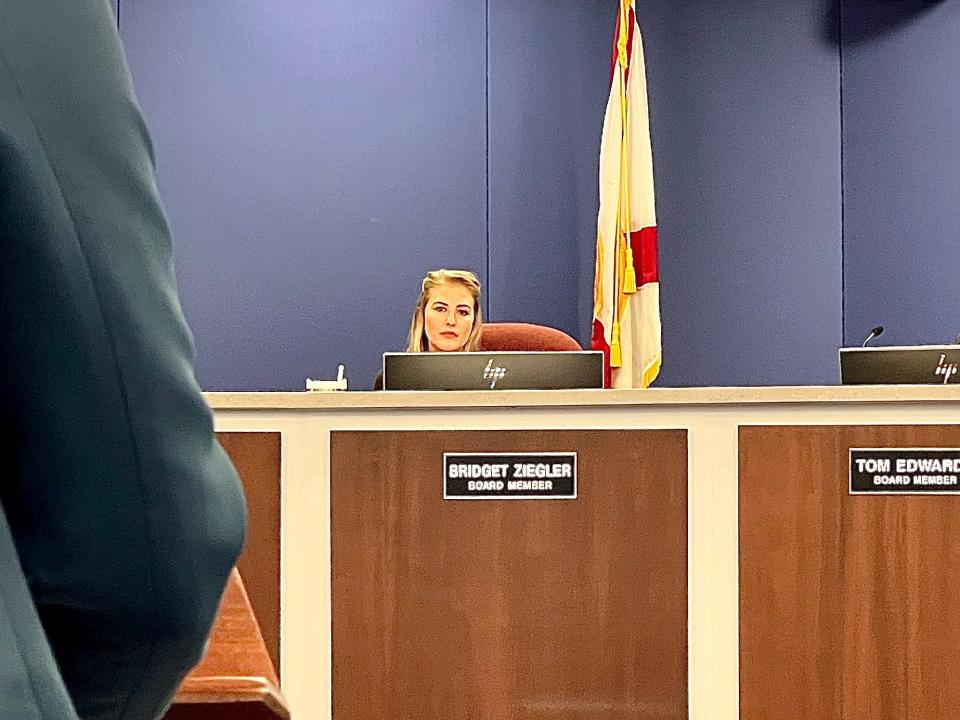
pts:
[524, 336]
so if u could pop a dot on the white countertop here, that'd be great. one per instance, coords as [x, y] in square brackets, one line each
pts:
[546, 398]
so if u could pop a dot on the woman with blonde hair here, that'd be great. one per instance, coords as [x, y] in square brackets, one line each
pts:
[447, 316]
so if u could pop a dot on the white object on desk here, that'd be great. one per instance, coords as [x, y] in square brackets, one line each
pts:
[328, 385]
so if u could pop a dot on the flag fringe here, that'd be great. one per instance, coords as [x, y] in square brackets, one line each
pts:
[615, 358]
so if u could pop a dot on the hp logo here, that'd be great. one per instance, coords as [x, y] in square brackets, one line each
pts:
[492, 373]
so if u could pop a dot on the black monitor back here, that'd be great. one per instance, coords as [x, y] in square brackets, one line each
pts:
[917, 365]
[493, 370]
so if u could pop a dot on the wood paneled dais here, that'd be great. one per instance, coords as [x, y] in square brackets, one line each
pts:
[509, 609]
[849, 605]
[256, 456]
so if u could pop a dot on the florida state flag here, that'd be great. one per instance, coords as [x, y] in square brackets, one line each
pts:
[626, 287]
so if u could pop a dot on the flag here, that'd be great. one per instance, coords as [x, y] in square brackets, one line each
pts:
[626, 286]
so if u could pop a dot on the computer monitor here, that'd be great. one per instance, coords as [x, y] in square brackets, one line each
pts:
[493, 370]
[915, 365]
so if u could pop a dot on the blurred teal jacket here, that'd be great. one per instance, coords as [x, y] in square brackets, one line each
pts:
[120, 515]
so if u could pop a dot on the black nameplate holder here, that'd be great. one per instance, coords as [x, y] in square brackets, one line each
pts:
[510, 476]
[905, 471]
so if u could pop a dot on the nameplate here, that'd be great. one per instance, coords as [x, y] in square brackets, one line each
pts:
[510, 476]
[905, 471]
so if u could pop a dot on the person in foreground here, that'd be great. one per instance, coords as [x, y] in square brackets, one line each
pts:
[120, 515]
[447, 315]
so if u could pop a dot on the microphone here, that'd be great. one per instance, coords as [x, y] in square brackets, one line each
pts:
[876, 332]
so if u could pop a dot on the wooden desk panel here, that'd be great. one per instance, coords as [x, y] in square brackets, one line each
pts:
[256, 456]
[235, 680]
[509, 610]
[849, 605]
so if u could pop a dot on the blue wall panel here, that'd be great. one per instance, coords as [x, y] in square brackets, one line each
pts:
[901, 127]
[315, 160]
[548, 83]
[744, 102]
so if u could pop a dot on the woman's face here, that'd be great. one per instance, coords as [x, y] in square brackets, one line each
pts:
[448, 317]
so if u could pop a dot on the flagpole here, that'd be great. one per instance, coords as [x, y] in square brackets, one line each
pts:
[624, 273]
[630, 276]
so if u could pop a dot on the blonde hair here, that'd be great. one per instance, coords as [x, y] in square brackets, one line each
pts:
[417, 339]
